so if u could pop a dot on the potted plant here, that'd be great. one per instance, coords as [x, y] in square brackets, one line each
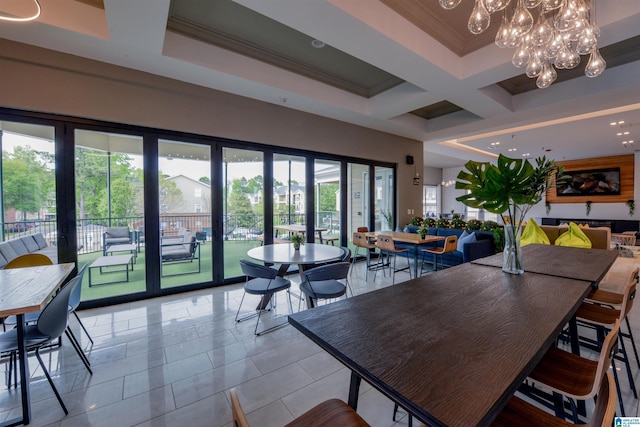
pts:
[297, 240]
[509, 188]
[422, 231]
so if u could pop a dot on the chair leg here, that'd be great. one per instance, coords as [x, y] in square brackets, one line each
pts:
[76, 346]
[53, 387]
[633, 342]
[625, 359]
[615, 377]
[82, 325]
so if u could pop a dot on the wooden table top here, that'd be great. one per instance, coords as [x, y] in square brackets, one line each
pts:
[27, 289]
[451, 347]
[401, 236]
[309, 253]
[561, 261]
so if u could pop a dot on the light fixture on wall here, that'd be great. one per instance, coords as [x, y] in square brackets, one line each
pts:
[25, 19]
[562, 31]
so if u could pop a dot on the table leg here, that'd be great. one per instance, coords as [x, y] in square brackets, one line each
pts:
[415, 262]
[354, 390]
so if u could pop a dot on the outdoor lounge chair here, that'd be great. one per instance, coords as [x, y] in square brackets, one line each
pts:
[187, 250]
[115, 236]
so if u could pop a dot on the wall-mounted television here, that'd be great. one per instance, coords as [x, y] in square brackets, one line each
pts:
[591, 182]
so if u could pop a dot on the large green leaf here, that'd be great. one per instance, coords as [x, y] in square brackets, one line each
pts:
[511, 181]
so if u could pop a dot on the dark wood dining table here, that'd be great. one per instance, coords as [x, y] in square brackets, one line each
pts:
[24, 290]
[561, 261]
[451, 347]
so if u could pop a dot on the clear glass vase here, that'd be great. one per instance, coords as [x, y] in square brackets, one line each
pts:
[512, 254]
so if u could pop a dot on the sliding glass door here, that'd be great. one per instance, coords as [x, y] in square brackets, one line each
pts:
[110, 207]
[184, 183]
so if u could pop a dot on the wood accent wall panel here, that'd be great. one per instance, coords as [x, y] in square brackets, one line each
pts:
[626, 165]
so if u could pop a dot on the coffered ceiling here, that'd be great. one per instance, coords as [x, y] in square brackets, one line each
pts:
[406, 67]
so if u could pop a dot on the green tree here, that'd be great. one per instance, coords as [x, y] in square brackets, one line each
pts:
[240, 208]
[28, 180]
[327, 197]
[170, 195]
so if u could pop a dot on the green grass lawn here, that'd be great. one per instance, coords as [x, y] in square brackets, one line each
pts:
[233, 252]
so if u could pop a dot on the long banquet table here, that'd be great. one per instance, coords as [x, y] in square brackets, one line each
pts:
[451, 347]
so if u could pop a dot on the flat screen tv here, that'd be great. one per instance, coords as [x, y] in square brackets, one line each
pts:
[592, 182]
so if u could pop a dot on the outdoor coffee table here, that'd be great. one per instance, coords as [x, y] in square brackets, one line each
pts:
[129, 247]
[112, 261]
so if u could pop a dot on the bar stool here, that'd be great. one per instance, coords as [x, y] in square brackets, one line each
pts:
[519, 413]
[602, 318]
[572, 376]
[450, 245]
[388, 247]
[361, 241]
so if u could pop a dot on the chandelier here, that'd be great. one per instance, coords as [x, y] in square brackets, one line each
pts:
[562, 31]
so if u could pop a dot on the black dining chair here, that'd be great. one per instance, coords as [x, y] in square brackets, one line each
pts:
[324, 282]
[263, 281]
[50, 326]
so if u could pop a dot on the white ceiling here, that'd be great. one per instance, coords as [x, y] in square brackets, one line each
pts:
[569, 120]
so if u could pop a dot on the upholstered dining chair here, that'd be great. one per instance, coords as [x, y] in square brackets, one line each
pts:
[50, 326]
[330, 413]
[264, 281]
[387, 247]
[325, 282]
[450, 245]
[29, 260]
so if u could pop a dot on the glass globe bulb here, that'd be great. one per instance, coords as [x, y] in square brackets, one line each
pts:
[532, 4]
[479, 19]
[547, 76]
[587, 40]
[522, 19]
[534, 67]
[596, 64]
[572, 60]
[502, 36]
[449, 4]
[549, 5]
[568, 15]
[495, 5]
[553, 47]
[520, 57]
[543, 32]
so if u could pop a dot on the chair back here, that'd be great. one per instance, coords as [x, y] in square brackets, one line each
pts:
[363, 229]
[239, 418]
[74, 299]
[385, 243]
[29, 260]
[55, 316]
[451, 244]
[359, 239]
[337, 271]
[605, 408]
[609, 349]
[346, 254]
[253, 270]
[630, 293]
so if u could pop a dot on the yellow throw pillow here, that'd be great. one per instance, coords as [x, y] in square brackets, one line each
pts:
[533, 234]
[573, 237]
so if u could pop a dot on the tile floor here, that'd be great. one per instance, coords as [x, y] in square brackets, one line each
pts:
[171, 361]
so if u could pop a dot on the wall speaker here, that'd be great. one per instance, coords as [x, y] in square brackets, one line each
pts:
[409, 160]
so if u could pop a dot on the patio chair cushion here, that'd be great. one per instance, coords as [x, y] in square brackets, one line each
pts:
[40, 240]
[31, 244]
[19, 246]
[112, 233]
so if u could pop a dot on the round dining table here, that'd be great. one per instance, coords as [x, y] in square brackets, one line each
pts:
[308, 255]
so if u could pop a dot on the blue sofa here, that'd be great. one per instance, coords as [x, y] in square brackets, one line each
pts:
[482, 247]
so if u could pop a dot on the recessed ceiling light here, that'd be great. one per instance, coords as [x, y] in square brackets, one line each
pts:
[619, 134]
[526, 154]
[318, 44]
[513, 149]
[626, 133]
